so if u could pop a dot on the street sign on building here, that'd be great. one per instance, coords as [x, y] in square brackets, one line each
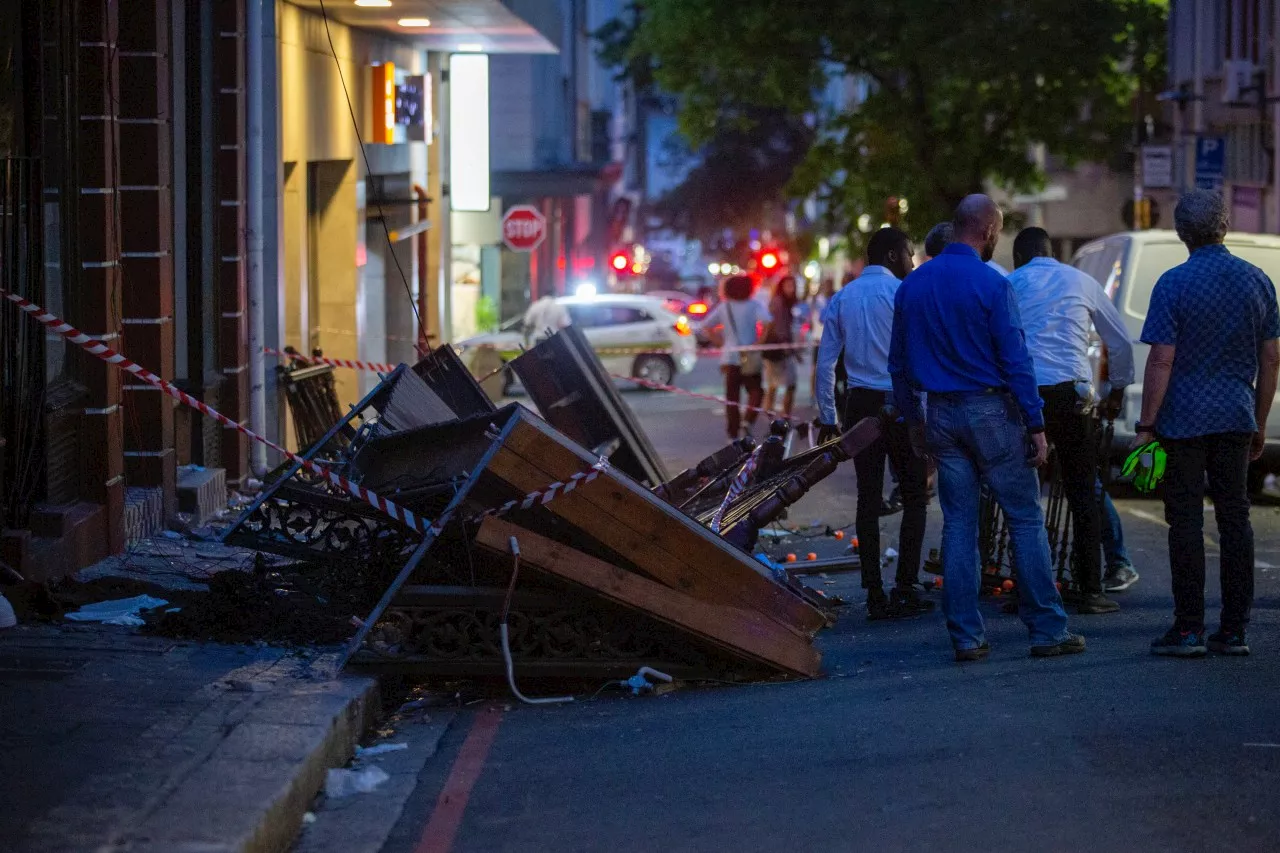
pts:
[1210, 161]
[523, 228]
[1157, 167]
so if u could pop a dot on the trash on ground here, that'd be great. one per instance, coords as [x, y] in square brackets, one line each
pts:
[379, 749]
[342, 782]
[241, 685]
[122, 611]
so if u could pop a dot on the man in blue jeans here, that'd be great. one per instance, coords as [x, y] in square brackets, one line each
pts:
[1120, 571]
[957, 337]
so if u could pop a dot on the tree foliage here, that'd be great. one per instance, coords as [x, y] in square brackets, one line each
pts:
[953, 93]
[739, 177]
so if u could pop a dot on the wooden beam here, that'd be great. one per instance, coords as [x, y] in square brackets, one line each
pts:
[744, 633]
[666, 544]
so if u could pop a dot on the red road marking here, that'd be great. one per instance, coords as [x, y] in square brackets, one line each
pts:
[446, 819]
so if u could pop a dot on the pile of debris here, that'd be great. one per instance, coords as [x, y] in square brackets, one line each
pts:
[619, 564]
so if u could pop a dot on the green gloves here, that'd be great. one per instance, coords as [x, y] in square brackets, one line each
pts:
[1145, 466]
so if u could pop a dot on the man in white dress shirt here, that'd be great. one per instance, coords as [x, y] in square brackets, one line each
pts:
[859, 322]
[1059, 304]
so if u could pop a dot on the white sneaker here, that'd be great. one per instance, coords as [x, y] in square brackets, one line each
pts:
[7, 617]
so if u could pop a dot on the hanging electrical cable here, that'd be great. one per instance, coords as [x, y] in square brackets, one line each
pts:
[368, 170]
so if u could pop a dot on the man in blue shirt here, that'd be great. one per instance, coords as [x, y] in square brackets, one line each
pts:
[859, 322]
[957, 337]
[1059, 306]
[1213, 328]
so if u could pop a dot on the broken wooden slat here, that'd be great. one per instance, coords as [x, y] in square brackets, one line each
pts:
[666, 544]
[743, 632]
[571, 389]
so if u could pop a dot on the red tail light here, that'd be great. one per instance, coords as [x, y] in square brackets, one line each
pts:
[697, 308]
[682, 327]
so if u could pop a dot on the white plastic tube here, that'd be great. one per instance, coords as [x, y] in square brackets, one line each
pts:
[511, 675]
[505, 637]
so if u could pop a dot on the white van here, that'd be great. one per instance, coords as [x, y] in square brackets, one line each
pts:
[1127, 266]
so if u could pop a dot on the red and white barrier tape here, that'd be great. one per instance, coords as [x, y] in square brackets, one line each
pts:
[735, 488]
[542, 497]
[383, 367]
[673, 389]
[376, 366]
[110, 356]
[664, 350]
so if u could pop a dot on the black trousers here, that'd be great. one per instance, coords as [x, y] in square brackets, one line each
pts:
[1075, 437]
[913, 475]
[734, 383]
[1225, 459]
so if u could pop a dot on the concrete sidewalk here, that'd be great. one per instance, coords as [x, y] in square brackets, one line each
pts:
[117, 742]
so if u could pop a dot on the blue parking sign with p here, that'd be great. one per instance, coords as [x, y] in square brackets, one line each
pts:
[1210, 161]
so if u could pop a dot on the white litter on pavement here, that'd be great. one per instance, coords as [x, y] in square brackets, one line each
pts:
[122, 611]
[8, 618]
[379, 749]
[341, 783]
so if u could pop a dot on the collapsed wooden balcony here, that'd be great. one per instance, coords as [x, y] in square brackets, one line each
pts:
[620, 571]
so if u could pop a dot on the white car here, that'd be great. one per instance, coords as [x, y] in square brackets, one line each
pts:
[1127, 265]
[634, 335]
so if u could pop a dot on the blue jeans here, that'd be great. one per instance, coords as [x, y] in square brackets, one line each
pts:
[978, 439]
[1113, 549]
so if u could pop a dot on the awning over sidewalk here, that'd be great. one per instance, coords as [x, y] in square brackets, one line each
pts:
[481, 26]
[547, 183]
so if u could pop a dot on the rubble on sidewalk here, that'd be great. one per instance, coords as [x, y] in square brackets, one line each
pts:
[625, 569]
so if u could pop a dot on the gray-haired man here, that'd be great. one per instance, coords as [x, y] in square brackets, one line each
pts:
[1213, 327]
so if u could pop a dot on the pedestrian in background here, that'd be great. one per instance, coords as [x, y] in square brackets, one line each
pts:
[937, 239]
[957, 337]
[780, 371]
[818, 302]
[544, 318]
[742, 318]
[1210, 379]
[1060, 306]
[944, 233]
[858, 329]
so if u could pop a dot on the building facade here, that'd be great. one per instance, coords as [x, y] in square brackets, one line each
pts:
[125, 163]
[1223, 105]
[190, 182]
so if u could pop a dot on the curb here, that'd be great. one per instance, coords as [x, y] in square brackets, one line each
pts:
[250, 793]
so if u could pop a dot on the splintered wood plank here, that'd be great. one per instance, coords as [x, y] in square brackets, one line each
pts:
[663, 542]
[745, 633]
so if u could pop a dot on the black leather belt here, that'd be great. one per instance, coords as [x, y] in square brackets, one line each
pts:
[959, 396]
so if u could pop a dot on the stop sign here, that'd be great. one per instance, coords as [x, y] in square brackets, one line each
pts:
[523, 228]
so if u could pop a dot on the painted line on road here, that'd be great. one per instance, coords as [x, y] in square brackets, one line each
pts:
[1265, 745]
[1146, 516]
[441, 830]
[1155, 519]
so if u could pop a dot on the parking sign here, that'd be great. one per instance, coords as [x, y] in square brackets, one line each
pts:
[1210, 161]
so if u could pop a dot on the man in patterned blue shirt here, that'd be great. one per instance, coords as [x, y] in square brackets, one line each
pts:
[1213, 328]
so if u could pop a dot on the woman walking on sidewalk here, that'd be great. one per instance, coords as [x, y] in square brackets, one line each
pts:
[780, 364]
[743, 318]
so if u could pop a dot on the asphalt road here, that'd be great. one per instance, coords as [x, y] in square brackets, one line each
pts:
[899, 748]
